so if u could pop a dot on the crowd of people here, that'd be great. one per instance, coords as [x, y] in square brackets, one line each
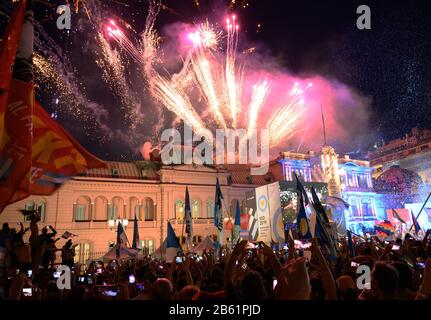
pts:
[399, 270]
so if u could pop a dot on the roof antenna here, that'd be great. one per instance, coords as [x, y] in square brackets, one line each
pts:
[323, 123]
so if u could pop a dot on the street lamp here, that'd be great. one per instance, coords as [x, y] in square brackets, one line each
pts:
[114, 222]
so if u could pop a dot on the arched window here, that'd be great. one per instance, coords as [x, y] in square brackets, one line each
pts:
[135, 209]
[100, 209]
[40, 207]
[116, 208]
[148, 247]
[81, 209]
[82, 252]
[179, 209]
[149, 209]
[210, 208]
[196, 209]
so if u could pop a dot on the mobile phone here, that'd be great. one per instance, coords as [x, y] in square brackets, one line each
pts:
[244, 266]
[110, 293]
[99, 270]
[395, 247]
[89, 280]
[131, 279]
[81, 279]
[420, 265]
[56, 274]
[354, 264]
[140, 287]
[178, 260]
[285, 247]
[26, 292]
[274, 283]
[29, 273]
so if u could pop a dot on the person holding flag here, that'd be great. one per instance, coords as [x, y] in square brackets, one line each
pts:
[218, 213]
[188, 220]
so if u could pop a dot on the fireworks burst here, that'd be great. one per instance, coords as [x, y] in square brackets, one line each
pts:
[218, 77]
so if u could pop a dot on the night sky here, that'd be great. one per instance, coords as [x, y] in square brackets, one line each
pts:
[390, 63]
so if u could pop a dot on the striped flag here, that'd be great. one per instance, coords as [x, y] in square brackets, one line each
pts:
[188, 218]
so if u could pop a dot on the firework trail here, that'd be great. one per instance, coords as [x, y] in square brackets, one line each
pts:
[233, 79]
[54, 70]
[283, 121]
[260, 93]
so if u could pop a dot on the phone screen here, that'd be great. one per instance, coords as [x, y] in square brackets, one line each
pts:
[26, 292]
[396, 248]
[29, 273]
[274, 283]
[131, 279]
[56, 274]
[354, 264]
[110, 293]
[178, 260]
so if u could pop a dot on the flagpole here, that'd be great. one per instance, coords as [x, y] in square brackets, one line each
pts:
[423, 206]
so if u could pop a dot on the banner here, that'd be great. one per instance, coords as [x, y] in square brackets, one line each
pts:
[275, 213]
[263, 216]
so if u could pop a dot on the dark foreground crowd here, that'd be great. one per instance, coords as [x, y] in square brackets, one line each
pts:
[399, 270]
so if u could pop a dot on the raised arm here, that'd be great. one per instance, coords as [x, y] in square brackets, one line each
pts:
[328, 281]
[230, 264]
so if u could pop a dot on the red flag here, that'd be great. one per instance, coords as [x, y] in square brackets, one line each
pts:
[36, 153]
[8, 48]
[16, 115]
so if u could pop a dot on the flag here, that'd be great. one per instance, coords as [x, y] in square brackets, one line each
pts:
[337, 202]
[121, 239]
[188, 215]
[36, 154]
[218, 213]
[135, 243]
[172, 246]
[318, 206]
[415, 223]
[8, 48]
[300, 188]
[252, 215]
[252, 224]
[237, 226]
[16, 105]
[350, 243]
[384, 228]
[302, 222]
[322, 229]
[67, 235]
[397, 216]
